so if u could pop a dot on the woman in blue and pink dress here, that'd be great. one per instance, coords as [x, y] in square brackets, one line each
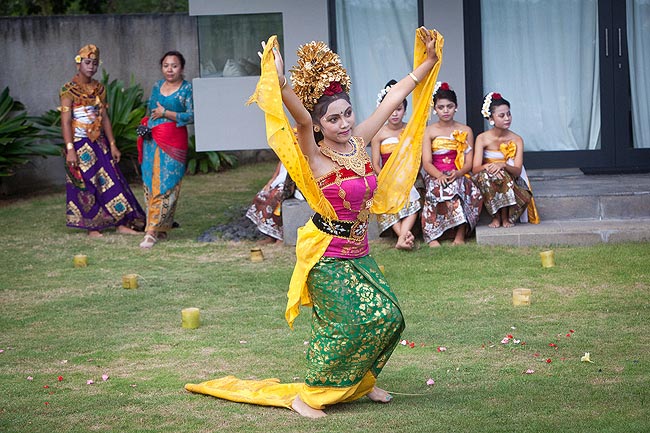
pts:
[452, 202]
[383, 145]
[98, 196]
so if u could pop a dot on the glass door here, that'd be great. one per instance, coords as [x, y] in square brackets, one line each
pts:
[579, 96]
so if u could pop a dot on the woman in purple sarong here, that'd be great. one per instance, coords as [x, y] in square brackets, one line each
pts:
[97, 195]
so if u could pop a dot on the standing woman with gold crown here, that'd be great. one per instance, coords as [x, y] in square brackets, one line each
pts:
[356, 319]
[98, 196]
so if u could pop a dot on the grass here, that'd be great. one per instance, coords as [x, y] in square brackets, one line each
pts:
[80, 324]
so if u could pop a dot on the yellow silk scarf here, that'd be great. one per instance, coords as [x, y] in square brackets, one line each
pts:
[398, 175]
[395, 180]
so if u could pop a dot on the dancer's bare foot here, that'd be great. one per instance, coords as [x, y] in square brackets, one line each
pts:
[95, 234]
[379, 395]
[458, 242]
[305, 410]
[124, 230]
[507, 224]
[496, 222]
[434, 243]
[266, 240]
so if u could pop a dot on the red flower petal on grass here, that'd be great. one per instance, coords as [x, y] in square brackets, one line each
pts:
[571, 331]
[442, 349]
[510, 336]
[536, 355]
[47, 403]
[46, 386]
[568, 335]
[552, 344]
[60, 378]
[548, 360]
[411, 345]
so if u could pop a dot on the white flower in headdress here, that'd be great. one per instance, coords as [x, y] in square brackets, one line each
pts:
[382, 94]
[485, 111]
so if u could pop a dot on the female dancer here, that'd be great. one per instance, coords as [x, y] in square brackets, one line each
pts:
[164, 152]
[98, 196]
[356, 321]
[499, 170]
[383, 145]
[452, 200]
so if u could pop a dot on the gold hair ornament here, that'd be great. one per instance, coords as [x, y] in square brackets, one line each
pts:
[317, 67]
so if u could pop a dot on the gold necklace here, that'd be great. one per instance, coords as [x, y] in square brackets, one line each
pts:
[355, 160]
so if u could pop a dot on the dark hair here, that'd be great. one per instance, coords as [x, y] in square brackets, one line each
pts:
[445, 94]
[320, 108]
[173, 53]
[497, 102]
[391, 83]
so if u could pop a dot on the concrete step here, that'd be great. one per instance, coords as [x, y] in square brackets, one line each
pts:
[567, 195]
[568, 232]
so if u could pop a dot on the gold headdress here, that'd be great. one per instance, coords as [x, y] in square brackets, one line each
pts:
[89, 51]
[317, 68]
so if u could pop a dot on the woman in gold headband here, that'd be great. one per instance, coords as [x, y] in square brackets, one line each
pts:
[98, 196]
[356, 319]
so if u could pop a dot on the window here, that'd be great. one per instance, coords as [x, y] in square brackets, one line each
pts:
[228, 44]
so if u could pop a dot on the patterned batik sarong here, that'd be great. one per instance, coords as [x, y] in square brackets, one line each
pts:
[500, 190]
[103, 198]
[97, 194]
[446, 207]
[266, 210]
[386, 221]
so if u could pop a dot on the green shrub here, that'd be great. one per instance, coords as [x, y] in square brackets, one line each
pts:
[20, 140]
[207, 161]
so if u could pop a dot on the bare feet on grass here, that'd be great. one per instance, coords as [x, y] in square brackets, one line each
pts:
[95, 234]
[305, 410]
[124, 230]
[406, 241]
[379, 395]
[434, 244]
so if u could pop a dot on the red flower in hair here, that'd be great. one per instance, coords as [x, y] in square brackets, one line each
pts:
[496, 95]
[444, 86]
[333, 89]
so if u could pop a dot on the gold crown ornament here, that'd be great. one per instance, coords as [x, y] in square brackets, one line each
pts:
[317, 68]
[89, 51]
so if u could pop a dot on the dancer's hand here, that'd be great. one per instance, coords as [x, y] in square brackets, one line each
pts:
[71, 158]
[279, 62]
[115, 152]
[429, 41]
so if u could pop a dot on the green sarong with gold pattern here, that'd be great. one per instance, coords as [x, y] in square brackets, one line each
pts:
[356, 321]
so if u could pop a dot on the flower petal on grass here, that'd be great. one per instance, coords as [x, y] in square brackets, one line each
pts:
[30, 378]
[430, 382]
[586, 358]
[60, 378]
[505, 340]
[548, 360]
[442, 349]
[104, 377]
[530, 371]
[90, 382]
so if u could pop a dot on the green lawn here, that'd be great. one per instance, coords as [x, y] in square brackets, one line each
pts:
[81, 324]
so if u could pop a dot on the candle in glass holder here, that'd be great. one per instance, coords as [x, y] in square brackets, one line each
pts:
[130, 281]
[190, 318]
[256, 255]
[548, 258]
[521, 297]
[80, 260]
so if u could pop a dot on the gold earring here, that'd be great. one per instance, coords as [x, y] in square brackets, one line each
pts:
[316, 128]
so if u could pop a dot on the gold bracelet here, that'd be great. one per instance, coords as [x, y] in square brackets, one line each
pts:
[112, 142]
[412, 75]
[69, 146]
[284, 84]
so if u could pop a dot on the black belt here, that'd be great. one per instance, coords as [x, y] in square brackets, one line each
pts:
[355, 230]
